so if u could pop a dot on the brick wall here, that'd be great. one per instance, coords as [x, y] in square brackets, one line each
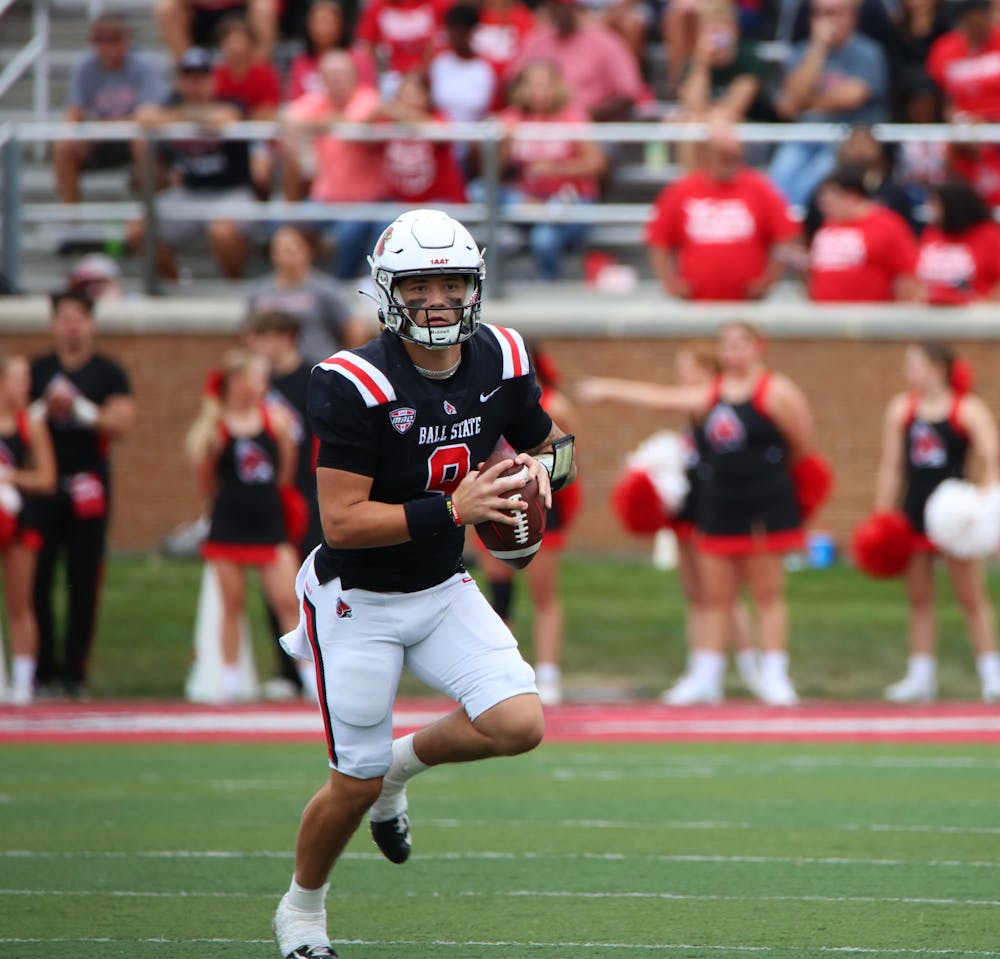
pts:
[848, 382]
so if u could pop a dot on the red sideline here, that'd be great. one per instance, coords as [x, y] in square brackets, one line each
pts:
[110, 722]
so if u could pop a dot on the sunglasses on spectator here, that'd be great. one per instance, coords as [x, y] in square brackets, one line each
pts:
[107, 38]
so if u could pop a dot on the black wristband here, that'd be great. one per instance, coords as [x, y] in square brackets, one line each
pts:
[428, 516]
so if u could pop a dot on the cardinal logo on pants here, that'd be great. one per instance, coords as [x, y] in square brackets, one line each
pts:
[343, 610]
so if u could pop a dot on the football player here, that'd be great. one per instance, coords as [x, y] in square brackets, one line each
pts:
[403, 423]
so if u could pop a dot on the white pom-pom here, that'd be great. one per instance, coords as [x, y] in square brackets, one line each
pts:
[10, 500]
[962, 520]
[662, 457]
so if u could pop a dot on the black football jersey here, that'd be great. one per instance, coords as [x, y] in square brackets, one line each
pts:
[375, 415]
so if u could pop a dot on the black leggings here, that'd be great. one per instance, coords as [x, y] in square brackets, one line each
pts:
[83, 541]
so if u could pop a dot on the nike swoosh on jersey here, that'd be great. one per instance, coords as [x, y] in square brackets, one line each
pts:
[483, 397]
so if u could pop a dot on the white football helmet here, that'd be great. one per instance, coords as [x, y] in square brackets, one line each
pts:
[427, 242]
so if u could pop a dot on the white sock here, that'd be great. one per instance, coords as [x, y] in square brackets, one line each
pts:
[547, 673]
[708, 665]
[405, 765]
[774, 663]
[987, 665]
[23, 672]
[307, 900]
[231, 682]
[922, 668]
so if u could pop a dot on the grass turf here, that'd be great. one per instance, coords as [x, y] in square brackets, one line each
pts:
[603, 852]
[624, 630]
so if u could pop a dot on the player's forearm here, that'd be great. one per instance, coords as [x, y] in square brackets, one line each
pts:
[366, 525]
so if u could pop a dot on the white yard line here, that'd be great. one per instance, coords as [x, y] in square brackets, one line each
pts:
[222, 854]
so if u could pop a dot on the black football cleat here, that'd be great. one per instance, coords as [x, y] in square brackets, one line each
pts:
[393, 838]
[312, 952]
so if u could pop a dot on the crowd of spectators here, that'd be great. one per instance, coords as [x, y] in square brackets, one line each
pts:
[419, 63]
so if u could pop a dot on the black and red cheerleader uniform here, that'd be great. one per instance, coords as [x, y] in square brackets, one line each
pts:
[565, 506]
[935, 451]
[247, 524]
[695, 460]
[15, 452]
[746, 497]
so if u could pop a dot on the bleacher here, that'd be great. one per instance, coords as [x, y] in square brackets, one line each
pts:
[48, 247]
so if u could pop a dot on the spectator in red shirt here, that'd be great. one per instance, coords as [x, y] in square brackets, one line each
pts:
[598, 66]
[502, 29]
[418, 172]
[242, 77]
[716, 233]
[965, 64]
[325, 31]
[959, 256]
[400, 35]
[193, 23]
[556, 172]
[863, 252]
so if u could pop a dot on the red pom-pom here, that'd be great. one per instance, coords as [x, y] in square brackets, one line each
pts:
[296, 513]
[882, 544]
[961, 378]
[213, 383]
[813, 479]
[637, 505]
[569, 500]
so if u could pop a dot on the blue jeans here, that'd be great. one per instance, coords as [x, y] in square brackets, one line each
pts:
[798, 168]
[548, 241]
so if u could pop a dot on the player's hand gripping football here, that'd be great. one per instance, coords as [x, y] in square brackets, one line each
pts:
[483, 494]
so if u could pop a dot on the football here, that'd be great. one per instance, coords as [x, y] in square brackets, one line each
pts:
[515, 545]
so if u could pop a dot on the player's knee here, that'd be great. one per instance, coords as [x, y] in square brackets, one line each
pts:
[521, 733]
[351, 793]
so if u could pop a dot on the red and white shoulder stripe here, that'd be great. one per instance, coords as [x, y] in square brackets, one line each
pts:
[513, 350]
[371, 382]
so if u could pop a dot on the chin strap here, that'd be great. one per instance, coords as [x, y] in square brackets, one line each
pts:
[559, 462]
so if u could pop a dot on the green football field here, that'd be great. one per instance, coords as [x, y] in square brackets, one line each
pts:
[571, 852]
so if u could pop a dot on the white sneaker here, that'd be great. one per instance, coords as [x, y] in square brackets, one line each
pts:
[693, 690]
[549, 691]
[912, 689]
[300, 935]
[777, 690]
[991, 692]
[22, 696]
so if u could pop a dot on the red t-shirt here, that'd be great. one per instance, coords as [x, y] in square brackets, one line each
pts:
[419, 171]
[500, 34]
[981, 168]
[857, 261]
[969, 78]
[722, 233]
[958, 269]
[525, 153]
[406, 28]
[258, 88]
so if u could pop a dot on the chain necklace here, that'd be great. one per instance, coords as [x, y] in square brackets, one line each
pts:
[440, 374]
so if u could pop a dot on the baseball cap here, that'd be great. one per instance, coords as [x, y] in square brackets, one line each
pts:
[968, 6]
[94, 268]
[195, 60]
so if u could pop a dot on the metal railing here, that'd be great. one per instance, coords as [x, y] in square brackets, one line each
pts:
[487, 135]
[34, 56]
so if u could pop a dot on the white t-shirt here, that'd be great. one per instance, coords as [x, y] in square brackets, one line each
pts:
[461, 89]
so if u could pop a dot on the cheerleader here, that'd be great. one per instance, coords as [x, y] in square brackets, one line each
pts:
[696, 685]
[930, 432]
[757, 423]
[27, 467]
[543, 573]
[244, 457]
